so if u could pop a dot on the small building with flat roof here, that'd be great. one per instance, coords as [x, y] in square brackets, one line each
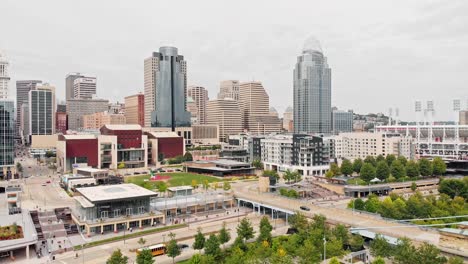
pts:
[221, 167]
[112, 208]
[180, 191]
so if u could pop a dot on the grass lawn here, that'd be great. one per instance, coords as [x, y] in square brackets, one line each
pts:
[177, 179]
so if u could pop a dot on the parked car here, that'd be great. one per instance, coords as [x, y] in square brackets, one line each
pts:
[182, 246]
[305, 208]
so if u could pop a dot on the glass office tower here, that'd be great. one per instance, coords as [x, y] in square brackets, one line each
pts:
[312, 91]
[171, 88]
[7, 139]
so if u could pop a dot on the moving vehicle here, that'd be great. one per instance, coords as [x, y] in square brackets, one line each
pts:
[305, 208]
[156, 250]
[182, 246]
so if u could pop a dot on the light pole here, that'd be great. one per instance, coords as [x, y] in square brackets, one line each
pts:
[83, 246]
[125, 227]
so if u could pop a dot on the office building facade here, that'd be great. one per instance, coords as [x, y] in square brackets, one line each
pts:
[226, 115]
[77, 108]
[7, 139]
[97, 120]
[166, 89]
[84, 87]
[229, 89]
[135, 109]
[342, 121]
[69, 84]
[22, 96]
[463, 117]
[312, 91]
[42, 110]
[288, 119]
[199, 96]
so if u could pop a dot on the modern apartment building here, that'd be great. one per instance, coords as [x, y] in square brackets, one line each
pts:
[199, 96]
[7, 139]
[342, 121]
[84, 87]
[98, 120]
[226, 115]
[22, 96]
[4, 77]
[312, 91]
[69, 84]
[77, 108]
[229, 89]
[42, 111]
[135, 109]
[362, 144]
[254, 104]
[309, 155]
[166, 89]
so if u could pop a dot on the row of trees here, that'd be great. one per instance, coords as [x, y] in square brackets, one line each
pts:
[179, 159]
[291, 193]
[388, 168]
[416, 206]
[305, 246]
[454, 187]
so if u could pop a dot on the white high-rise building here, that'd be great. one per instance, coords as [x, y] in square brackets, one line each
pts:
[4, 76]
[200, 98]
[84, 87]
[229, 89]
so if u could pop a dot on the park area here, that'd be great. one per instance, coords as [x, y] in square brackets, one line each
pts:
[174, 179]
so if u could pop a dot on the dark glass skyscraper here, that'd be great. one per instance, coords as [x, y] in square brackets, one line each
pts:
[170, 92]
[312, 91]
[7, 139]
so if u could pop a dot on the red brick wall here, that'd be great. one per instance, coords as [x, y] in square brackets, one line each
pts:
[127, 138]
[83, 148]
[171, 147]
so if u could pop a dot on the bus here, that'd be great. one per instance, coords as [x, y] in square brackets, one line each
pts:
[156, 250]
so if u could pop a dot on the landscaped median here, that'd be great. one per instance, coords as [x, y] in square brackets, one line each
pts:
[130, 235]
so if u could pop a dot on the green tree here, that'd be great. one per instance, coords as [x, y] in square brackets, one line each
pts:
[425, 167]
[298, 221]
[334, 260]
[358, 204]
[347, 167]
[372, 204]
[329, 174]
[367, 172]
[288, 175]
[121, 165]
[379, 158]
[196, 259]
[378, 260]
[162, 187]
[224, 235]
[386, 208]
[226, 186]
[206, 185]
[117, 258]
[141, 241]
[439, 166]
[194, 184]
[357, 164]
[404, 252]
[390, 158]
[265, 231]
[212, 246]
[414, 186]
[454, 187]
[356, 242]
[402, 160]
[455, 260]
[412, 169]
[145, 257]
[371, 160]
[270, 173]
[245, 230]
[19, 167]
[296, 176]
[429, 254]
[379, 247]
[382, 171]
[188, 156]
[257, 164]
[398, 169]
[335, 169]
[172, 250]
[199, 242]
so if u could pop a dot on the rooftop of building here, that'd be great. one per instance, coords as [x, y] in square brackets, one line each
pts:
[180, 188]
[79, 136]
[91, 170]
[114, 192]
[163, 134]
[123, 127]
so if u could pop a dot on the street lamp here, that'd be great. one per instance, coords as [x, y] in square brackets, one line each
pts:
[83, 246]
[324, 248]
[125, 227]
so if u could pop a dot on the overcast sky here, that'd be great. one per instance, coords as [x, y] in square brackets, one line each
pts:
[382, 53]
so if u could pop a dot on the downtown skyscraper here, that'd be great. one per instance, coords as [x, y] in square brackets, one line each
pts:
[166, 89]
[312, 91]
[7, 125]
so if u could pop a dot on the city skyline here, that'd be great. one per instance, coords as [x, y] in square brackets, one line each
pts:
[406, 46]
